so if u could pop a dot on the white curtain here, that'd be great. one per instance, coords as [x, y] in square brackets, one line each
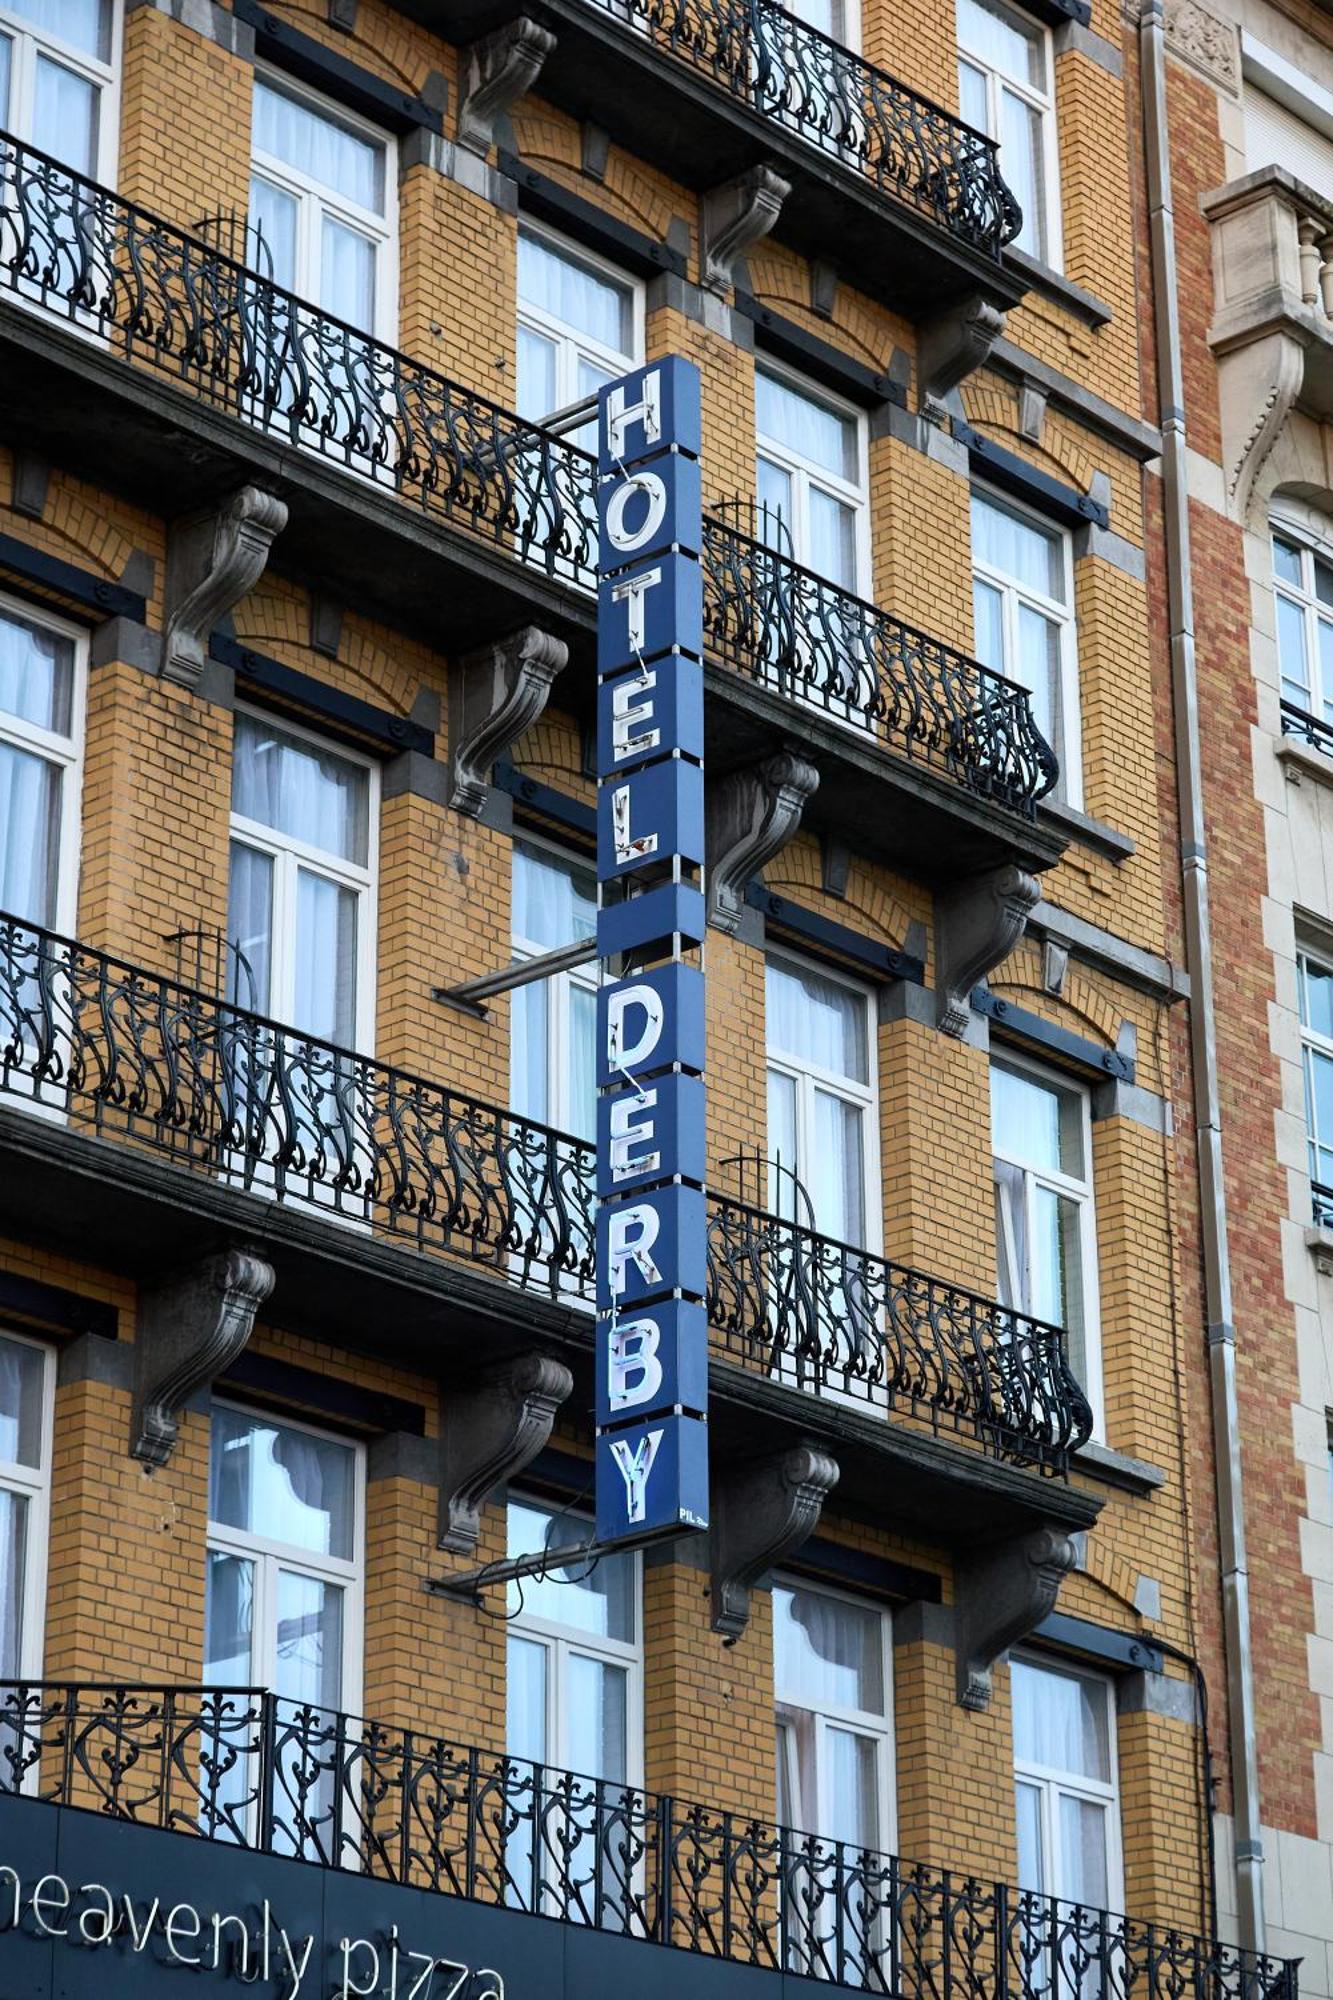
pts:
[816, 1020]
[805, 426]
[827, 1651]
[250, 921]
[318, 147]
[29, 834]
[299, 789]
[86, 24]
[325, 995]
[273, 214]
[64, 121]
[578, 297]
[1018, 548]
[309, 1640]
[1060, 1721]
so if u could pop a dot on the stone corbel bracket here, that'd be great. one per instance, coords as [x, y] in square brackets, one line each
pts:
[1001, 1594]
[761, 1513]
[497, 71]
[977, 924]
[213, 558]
[191, 1327]
[752, 814]
[734, 217]
[489, 1430]
[497, 693]
[953, 346]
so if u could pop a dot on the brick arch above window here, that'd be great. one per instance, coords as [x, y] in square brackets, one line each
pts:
[994, 412]
[383, 43]
[624, 191]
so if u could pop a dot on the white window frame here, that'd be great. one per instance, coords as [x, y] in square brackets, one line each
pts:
[809, 1076]
[66, 752]
[1312, 1044]
[861, 1721]
[1051, 1782]
[805, 472]
[560, 1640]
[313, 198]
[1052, 251]
[1085, 1194]
[1064, 616]
[1312, 533]
[559, 986]
[33, 1484]
[569, 341]
[288, 854]
[850, 37]
[28, 42]
[269, 1556]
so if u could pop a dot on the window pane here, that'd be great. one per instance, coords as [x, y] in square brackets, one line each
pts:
[853, 1805]
[21, 1372]
[600, 1602]
[310, 1640]
[1002, 42]
[816, 1020]
[835, 1177]
[774, 526]
[827, 1652]
[1036, 1122]
[273, 219]
[1323, 580]
[525, 1699]
[325, 994]
[64, 115]
[300, 789]
[782, 1149]
[229, 1612]
[1031, 1861]
[580, 1113]
[584, 299]
[988, 623]
[1016, 546]
[536, 374]
[805, 426]
[972, 95]
[250, 929]
[84, 24]
[597, 1710]
[13, 1562]
[29, 834]
[1057, 1266]
[555, 901]
[1316, 996]
[1060, 1721]
[529, 1079]
[36, 667]
[832, 539]
[1011, 1236]
[1319, 1098]
[1022, 166]
[319, 147]
[1286, 561]
[1036, 667]
[1083, 1867]
[1291, 652]
[799, 1776]
[347, 274]
[281, 1483]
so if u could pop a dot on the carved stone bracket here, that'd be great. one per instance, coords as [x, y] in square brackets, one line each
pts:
[761, 1513]
[1002, 1593]
[752, 814]
[489, 1430]
[977, 923]
[736, 216]
[497, 693]
[952, 346]
[191, 1327]
[497, 71]
[213, 558]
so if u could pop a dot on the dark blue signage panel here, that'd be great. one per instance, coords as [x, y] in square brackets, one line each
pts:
[652, 1335]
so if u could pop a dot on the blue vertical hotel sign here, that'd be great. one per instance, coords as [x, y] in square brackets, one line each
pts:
[652, 1336]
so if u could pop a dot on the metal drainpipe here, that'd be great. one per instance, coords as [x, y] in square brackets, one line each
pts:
[1199, 961]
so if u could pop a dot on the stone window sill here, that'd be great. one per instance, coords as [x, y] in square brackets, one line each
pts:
[1115, 1468]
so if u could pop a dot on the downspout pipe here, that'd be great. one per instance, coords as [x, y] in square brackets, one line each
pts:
[1199, 961]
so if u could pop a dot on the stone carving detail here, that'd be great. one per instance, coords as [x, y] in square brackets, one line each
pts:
[489, 1430]
[497, 693]
[497, 71]
[1001, 1594]
[1201, 38]
[761, 1513]
[191, 1327]
[752, 814]
[213, 558]
[952, 346]
[736, 216]
[977, 924]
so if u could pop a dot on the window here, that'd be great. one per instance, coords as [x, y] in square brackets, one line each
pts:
[1288, 116]
[1315, 988]
[1303, 584]
[811, 479]
[1005, 88]
[1065, 1784]
[840, 20]
[1022, 600]
[574, 1702]
[302, 915]
[1041, 1137]
[283, 1600]
[835, 1765]
[27, 1385]
[57, 61]
[322, 194]
[41, 726]
[553, 1022]
[822, 1149]
[579, 324]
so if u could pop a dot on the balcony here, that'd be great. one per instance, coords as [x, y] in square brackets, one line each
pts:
[260, 1778]
[908, 199]
[179, 371]
[170, 1116]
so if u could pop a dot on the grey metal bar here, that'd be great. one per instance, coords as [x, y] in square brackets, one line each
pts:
[522, 973]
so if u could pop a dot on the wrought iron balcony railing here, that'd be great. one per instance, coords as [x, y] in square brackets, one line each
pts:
[1321, 1198]
[129, 1054]
[170, 302]
[1307, 728]
[240, 1766]
[856, 114]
